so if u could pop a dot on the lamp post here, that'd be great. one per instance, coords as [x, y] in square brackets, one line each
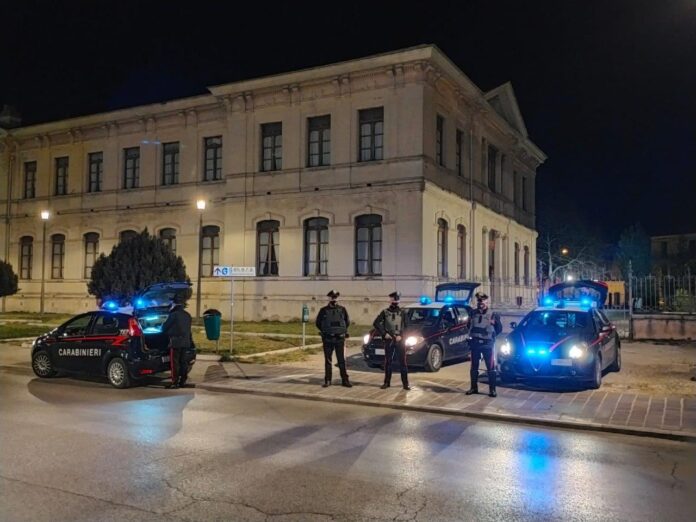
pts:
[45, 215]
[200, 205]
[564, 251]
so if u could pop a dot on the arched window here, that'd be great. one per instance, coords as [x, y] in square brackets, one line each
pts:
[316, 246]
[125, 235]
[461, 251]
[517, 263]
[26, 256]
[210, 249]
[526, 266]
[368, 245]
[168, 237]
[442, 229]
[57, 255]
[268, 243]
[91, 252]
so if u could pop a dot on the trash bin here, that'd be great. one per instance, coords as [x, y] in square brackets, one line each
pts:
[211, 320]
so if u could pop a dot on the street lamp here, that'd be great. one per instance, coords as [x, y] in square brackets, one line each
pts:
[200, 205]
[45, 215]
[564, 251]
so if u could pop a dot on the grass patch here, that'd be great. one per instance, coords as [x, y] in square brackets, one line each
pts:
[14, 330]
[281, 358]
[244, 344]
[55, 319]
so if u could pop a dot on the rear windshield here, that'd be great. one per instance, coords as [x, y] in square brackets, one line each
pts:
[151, 322]
[163, 296]
[424, 316]
[552, 325]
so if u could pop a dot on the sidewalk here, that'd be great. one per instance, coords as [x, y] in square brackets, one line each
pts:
[597, 410]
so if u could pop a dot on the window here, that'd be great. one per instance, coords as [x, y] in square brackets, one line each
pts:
[271, 146]
[368, 245]
[460, 144]
[503, 160]
[26, 255]
[77, 326]
[61, 186]
[57, 255]
[371, 134]
[170, 163]
[168, 236]
[210, 249]
[316, 246]
[96, 171]
[663, 248]
[517, 264]
[91, 252]
[442, 230]
[131, 168]
[461, 252]
[108, 324]
[212, 156]
[492, 161]
[127, 235]
[439, 140]
[267, 234]
[526, 266]
[515, 188]
[692, 246]
[524, 193]
[319, 141]
[30, 180]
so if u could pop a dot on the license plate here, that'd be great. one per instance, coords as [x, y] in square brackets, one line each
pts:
[379, 351]
[561, 362]
[165, 359]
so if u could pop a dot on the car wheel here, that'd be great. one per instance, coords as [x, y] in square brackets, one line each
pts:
[597, 372]
[117, 373]
[42, 365]
[433, 362]
[616, 365]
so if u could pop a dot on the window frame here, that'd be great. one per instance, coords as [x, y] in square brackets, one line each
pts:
[492, 168]
[440, 140]
[131, 168]
[272, 257]
[30, 168]
[171, 150]
[210, 249]
[526, 266]
[442, 233]
[274, 132]
[516, 263]
[372, 117]
[57, 258]
[321, 125]
[370, 222]
[168, 237]
[461, 251]
[26, 257]
[90, 238]
[95, 171]
[524, 193]
[214, 144]
[458, 160]
[61, 166]
[316, 225]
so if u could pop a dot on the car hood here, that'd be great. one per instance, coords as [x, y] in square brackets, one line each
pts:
[526, 340]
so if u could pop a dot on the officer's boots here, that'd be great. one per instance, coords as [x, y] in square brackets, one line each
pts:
[491, 384]
[404, 381]
[474, 383]
[345, 381]
[387, 379]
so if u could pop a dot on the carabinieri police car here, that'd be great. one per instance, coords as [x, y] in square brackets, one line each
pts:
[435, 332]
[124, 344]
[569, 337]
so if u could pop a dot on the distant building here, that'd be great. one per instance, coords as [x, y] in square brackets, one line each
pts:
[388, 172]
[674, 253]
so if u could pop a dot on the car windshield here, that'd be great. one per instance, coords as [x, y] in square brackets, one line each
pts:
[423, 316]
[553, 325]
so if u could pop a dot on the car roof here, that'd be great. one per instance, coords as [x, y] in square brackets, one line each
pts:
[436, 305]
[562, 309]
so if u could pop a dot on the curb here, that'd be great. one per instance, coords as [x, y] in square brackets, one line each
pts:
[553, 423]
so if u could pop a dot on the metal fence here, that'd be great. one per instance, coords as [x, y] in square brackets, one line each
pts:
[664, 293]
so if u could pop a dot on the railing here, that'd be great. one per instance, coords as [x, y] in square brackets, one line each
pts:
[664, 293]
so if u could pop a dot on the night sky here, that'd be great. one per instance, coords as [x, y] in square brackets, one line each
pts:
[607, 88]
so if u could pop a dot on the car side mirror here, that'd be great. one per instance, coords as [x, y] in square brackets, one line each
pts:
[513, 325]
[606, 328]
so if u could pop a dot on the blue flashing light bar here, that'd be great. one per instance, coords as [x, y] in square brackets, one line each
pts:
[548, 301]
[424, 300]
[139, 303]
[110, 305]
[535, 351]
[449, 299]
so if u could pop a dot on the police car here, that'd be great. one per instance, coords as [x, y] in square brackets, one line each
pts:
[436, 330]
[122, 343]
[569, 337]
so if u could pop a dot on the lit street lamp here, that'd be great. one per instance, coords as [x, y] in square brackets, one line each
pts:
[45, 215]
[200, 205]
[564, 251]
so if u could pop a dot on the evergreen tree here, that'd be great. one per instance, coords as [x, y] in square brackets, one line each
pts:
[132, 265]
[8, 280]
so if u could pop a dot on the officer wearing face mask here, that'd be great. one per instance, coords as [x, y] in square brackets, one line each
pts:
[332, 322]
[178, 328]
[390, 325]
[485, 325]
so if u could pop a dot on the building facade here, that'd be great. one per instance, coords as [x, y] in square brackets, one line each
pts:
[675, 254]
[389, 172]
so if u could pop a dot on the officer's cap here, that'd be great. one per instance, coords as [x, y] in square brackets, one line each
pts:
[480, 296]
[333, 293]
[395, 296]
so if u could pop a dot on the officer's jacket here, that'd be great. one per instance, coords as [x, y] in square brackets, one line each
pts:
[485, 325]
[390, 321]
[332, 330]
[178, 328]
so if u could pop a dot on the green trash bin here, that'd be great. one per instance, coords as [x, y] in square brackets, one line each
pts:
[211, 320]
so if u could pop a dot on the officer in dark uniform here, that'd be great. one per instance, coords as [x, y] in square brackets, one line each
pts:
[332, 322]
[390, 325]
[485, 325]
[178, 328]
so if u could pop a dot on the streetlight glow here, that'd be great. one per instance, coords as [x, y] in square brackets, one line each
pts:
[45, 214]
[569, 277]
[564, 251]
[200, 204]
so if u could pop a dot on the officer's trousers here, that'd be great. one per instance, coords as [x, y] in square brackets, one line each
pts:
[338, 345]
[178, 366]
[391, 349]
[485, 350]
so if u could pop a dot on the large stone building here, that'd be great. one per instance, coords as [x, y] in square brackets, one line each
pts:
[388, 172]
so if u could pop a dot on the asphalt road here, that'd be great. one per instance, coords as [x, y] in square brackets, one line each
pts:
[80, 450]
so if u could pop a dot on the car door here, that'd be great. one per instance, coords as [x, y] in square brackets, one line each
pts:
[69, 339]
[107, 330]
[604, 338]
[454, 335]
[610, 335]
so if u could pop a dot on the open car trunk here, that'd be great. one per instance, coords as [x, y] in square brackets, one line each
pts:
[151, 308]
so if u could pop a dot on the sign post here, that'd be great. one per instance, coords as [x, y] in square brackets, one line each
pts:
[305, 319]
[232, 272]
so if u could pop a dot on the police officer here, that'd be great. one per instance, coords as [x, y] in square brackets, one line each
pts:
[485, 325]
[178, 328]
[332, 322]
[390, 325]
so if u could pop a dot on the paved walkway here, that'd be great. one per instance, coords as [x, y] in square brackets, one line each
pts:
[651, 415]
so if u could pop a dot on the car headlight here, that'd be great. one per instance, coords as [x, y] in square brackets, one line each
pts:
[506, 348]
[412, 340]
[576, 351]
[366, 339]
